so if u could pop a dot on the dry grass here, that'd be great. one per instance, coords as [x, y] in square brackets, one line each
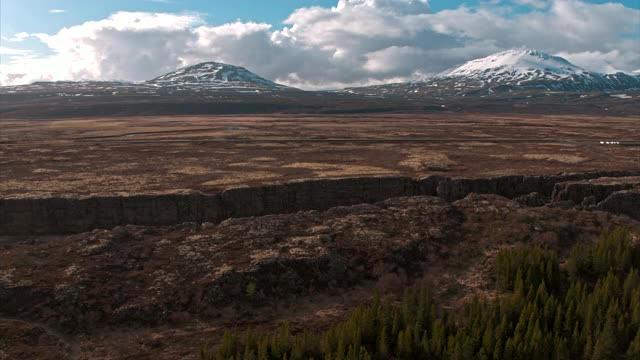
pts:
[617, 180]
[502, 156]
[192, 170]
[45, 171]
[340, 170]
[352, 170]
[235, 178]
[478, 134]
[311, 166]
[478, 143]
[122, 167]
[563, 158]
[250, 165]
[82, 183]
[61, 158]
[258, 256]
[40, 151]
[266, 145]
[420, 159]
[81, 124]
[500, 172]
[189, 163]
[473, 145]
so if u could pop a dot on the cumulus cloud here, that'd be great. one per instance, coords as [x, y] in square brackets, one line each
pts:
[535, 3]
[605, 62]
[355, 42]
[4, 50]
[21, 36]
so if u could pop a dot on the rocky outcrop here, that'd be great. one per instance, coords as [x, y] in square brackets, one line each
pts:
[625, 202]
[73, 215]
[593, 190]
[516, 185]
[62, 215]
[146, 276]
[533, 200]
[143, 275]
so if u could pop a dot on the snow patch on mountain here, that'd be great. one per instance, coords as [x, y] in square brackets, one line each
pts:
[507, 71]
[202, 80]
[215, 74]
[517, 65]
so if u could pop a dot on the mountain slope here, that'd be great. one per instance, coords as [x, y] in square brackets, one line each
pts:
[531, 68]
[513, 65]
[510, 70]
[204, 79]
[215, 74]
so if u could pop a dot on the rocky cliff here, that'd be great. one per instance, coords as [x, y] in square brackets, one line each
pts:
[622, 202]
[153, 275]
[60, 215]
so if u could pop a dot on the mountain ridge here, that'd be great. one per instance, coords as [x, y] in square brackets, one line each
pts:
[521, 63]
[214, 73]
[520, 70]
[509, 70]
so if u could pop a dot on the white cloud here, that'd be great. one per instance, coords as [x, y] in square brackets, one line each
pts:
[604, 62]
[535, 3]
[21, 36]
[4, 50]
[356, 42]
[57, 11]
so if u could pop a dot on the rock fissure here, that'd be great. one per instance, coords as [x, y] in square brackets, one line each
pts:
[613, 191]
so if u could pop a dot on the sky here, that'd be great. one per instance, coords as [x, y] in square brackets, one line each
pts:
[311, 44]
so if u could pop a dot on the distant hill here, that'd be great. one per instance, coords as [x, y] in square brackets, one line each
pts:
[510, 70]
[511, 81]
[214, 74]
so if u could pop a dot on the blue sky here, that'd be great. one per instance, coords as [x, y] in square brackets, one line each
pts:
[367, 41]
[34, 16]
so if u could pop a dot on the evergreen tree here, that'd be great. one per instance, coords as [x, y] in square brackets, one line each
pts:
[593, 316]
[606, 345]
[383, 343]
[634, 347]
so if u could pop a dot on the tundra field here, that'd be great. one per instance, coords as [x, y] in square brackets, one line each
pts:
[149, 237]
[320, 180]
[176, 154]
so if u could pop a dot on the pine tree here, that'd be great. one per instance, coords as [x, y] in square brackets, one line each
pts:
[488, 341]
[561, 351]
[498, 350]
[588, 348]
[263, 349]
[536, 321]
[606, 345]
[557, 322]
[438, 338]
[383, 343]
[508, 350]
[228, 347]
[634, 347]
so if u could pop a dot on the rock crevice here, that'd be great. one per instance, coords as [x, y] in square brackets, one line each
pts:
[64, 215]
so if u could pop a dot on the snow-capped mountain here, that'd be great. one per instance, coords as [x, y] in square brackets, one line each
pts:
[204, 79]
[215, 74]
[511, 70]
[509, 73]
[516, 65]
[531, 68]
